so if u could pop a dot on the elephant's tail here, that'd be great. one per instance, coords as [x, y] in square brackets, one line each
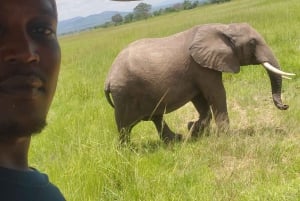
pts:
[107, 94]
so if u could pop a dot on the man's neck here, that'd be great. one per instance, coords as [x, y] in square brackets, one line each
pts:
[14, 153]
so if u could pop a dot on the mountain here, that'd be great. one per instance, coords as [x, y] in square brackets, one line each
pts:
[81, 23]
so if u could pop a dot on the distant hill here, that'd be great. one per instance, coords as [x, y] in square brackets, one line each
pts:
[81, 23]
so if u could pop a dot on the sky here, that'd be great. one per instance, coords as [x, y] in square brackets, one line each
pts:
[73, 8]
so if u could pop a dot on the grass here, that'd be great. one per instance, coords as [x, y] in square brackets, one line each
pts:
[258, 160]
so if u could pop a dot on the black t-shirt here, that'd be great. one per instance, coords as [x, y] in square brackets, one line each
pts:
[27, 186]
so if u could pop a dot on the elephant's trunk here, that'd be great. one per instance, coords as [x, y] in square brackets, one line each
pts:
[275, 76]
[276, 83]
[266, 57]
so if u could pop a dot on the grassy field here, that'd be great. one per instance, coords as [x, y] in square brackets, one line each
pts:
[258, 160]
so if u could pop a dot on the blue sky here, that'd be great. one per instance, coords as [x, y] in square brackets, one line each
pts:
[72, 8]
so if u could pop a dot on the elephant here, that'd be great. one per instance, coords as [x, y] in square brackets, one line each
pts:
[155, 76]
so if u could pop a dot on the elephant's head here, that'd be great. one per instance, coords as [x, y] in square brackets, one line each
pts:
[227, 47]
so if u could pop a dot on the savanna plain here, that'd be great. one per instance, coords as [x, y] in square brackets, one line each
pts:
[259, 159]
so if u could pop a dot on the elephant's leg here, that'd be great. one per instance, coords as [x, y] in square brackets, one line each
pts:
[197, 128]
[219, 108]
[126, 119]
[214, 93]
[163, 130]
[124, 133]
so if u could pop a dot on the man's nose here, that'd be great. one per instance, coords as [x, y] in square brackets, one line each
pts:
[20, 48]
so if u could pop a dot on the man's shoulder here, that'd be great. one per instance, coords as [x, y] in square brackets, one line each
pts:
[27, 185]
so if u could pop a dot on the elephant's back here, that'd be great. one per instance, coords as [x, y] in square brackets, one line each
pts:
[155, 51]
[175, 41]
[153, 68]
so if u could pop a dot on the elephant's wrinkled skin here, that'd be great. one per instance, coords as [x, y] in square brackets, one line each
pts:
[152, 77]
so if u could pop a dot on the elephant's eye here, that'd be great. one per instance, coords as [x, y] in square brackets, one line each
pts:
[252, 42]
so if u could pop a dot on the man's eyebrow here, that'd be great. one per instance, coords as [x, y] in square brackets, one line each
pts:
[49, 11]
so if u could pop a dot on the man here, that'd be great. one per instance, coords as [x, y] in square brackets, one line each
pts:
[29, 67]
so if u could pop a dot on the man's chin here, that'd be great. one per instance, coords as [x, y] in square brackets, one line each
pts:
[12, 130]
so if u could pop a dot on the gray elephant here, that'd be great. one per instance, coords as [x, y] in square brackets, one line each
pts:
[155, 76]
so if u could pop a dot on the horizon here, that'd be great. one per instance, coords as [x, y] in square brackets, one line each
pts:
[68, 9]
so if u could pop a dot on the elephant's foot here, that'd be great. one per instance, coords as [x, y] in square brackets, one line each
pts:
[171, 137]
[197, 129]
[223, 129]
[164, 132]
[124, 137]
[222, 125]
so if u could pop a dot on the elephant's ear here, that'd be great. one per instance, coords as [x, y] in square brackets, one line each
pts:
[213, 48]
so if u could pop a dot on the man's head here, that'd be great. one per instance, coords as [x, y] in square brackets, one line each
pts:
[29, 65]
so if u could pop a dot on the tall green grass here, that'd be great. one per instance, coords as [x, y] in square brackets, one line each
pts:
[259, 160]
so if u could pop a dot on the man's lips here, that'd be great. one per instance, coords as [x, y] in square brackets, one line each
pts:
[22, 86]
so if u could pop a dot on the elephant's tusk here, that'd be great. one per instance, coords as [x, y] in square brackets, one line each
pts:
[286, 77]
[277, 71]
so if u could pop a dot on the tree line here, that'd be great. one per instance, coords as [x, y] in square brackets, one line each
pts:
[143, 11]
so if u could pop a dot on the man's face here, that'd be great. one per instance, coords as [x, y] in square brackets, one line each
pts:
[29, 64]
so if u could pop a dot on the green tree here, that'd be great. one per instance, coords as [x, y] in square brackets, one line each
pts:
[158, 12]
[218, 1]
[187, 4]
[178, 6]
[117, 18]
[142, 11]
[128, 18]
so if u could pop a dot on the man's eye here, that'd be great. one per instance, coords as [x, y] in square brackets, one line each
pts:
[44, 31]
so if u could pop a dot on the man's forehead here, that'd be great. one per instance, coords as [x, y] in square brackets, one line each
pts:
[47, 7]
